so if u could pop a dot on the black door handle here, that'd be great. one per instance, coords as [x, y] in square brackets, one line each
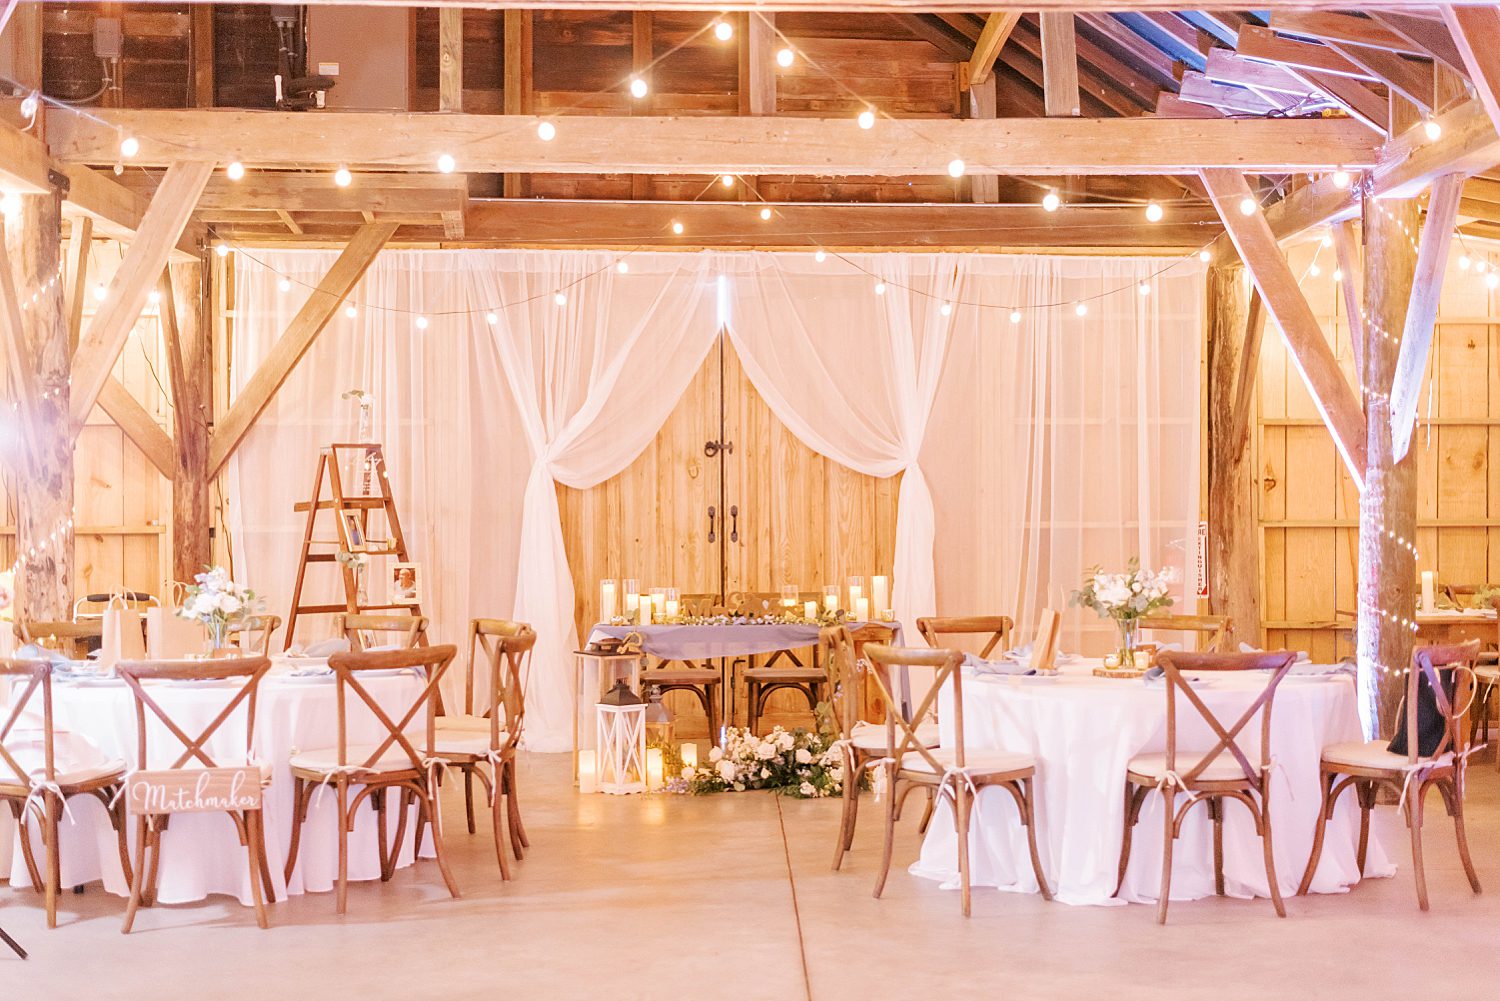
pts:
[710, 523]
[734, 523]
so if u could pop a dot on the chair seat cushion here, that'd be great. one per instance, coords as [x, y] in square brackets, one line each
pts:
[456, 743]
[83, 775]
[1488, 673]
[871, 736]
[1224, 768]
[326, 759]
[976, 761]
[1376, 754]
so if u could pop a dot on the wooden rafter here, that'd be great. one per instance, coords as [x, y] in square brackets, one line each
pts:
[844, 6]
[1421, 310]
[1059, 65]
[1306, 344]
[1347, 251]
[997, 29]
[710, 145]
[138, 425]
[147, 255]
[517, 82]
[1336, 29]
[1428, 36]
[18, 358]
[80, 243]
[1244, 383]
[1476, 32]
[299, 336]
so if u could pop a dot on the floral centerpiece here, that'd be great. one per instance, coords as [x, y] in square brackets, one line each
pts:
[218, 604]
[1125, 597]
[794, 762]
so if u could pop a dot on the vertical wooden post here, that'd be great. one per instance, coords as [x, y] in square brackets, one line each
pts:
[450, 59]
[1388, 505]
[1233, 554]
[516, 85]
[201, 33]
[1059, 64]
[44, 532]
[983, 188]
[642, 52]
[192, 543]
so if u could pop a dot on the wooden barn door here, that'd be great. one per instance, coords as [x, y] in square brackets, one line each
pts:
[782, 513]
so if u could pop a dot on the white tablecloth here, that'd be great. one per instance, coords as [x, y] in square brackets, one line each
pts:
[201, 853]
[1082, 730]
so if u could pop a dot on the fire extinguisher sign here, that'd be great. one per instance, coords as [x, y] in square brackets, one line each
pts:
[1202, 559]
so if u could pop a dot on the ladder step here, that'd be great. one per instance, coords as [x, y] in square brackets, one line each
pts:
[347, 502]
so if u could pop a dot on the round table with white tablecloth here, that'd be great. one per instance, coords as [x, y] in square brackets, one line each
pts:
[201, 853]
[1082, 730]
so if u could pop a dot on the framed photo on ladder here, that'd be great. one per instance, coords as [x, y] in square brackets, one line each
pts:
[406, 584]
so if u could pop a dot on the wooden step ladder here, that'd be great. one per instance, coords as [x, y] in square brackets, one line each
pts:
[351, 516]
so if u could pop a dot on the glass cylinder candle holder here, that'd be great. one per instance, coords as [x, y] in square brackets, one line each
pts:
[830, 597]
[810, 611]
[880, 595]
[789, 595]
[856, 590]
[861, 609]
[630, 591]
[674, 602]
[608, 599]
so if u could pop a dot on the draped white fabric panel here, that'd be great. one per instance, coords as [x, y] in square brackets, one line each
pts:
[1027, 451]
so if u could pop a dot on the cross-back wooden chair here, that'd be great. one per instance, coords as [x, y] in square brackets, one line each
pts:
[1366, 765]
[1224, 771]
[860, 743]
[32, 780]
[1486, 665]
[782, 669]
[253, 633]
[1215, 627]
[235, 785]
[490, 735]
[396, 763]
[951, 771]
[73, 639]
[994, 630]
[365, 631]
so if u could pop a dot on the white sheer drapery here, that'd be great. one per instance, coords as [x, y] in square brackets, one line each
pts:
[850, 362]
[1045, 446]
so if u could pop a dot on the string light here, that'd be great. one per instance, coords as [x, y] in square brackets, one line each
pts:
[445, 163]
[1247, 205]
[676, 227]
[784, 57]
[1051, 202]
[285, 285]
[1492, 279]
[235, 171]
[29, 105]
[1338, 274]
[867, 119]
[421, 323]
[1153, 212]
[1464, 262]
[723, 31]
[59, 538]
[1341, 178]
[1015, 316]
[946, 309]
[10, 203]
[1314, 270]
[727, 180]
[638, 88]
[1145, 288]
[623, 267]
[1082, 309]
[350, 311]
[342, 177]
[820, 256]
[1327, 241]
[880, 288]
[129, 147]
[546, 131]
[560, 298]
[153, 297]
[765, 214]
[1433, 130]
[1204, 256]
[221, 248]
[955, 168]
[100, 292]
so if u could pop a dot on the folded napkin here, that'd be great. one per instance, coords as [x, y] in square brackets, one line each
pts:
[322, 648]
[1022, 655]
[33, 651]
[1302, 656]
[1004, 666]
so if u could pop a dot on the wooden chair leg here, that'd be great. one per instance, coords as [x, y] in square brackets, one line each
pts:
[1028, 796]
[344, 825]
[927, 811]
[1325, 812]
[255, 851]
[431, 804]
[752, 703]
[1169, 835]
[1456, 807]
[506, 777]
[299, 814]
[711, 708]
[890, 837]
[23, 835]
[153, 877]
[1133, 796]
[962, 802]
[1264, 820]
[383, 847]
[1365, 791]
[263, 861]
[403, 809]
[51, 806]
[138, 880]
[120, 822]
[469, 796]
[848, 811]
[1414, 821]
[499, 820]
[1216, 814]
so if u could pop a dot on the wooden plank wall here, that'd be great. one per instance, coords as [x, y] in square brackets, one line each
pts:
[1309, 509]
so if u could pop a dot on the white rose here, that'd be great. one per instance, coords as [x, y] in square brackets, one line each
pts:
[229, 604]
[804, 756]
[715, 754]
[726, 770]
[688, 771]
[765, 773]
[807, 789]
[766, 751]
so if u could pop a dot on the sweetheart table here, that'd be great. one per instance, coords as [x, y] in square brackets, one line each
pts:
[201, 854]
[1082, 730]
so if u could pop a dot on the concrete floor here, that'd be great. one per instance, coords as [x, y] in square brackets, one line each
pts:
[731, 897]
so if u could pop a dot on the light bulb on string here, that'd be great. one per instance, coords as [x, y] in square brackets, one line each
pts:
[1051, 202]
[1205, 256]
[284, 285]
[1327, 241]
[723, 30]
[1144, 288]
[560, 298]
[1247, 205]
[1154, 212]
[491, 319]
[29, 105]
[765, 214]
[100, 292]
[235, 171]
[676, 227]
[546, 131]
[638, 88]
[1082, 309]
[784, 57]
[727, 180]
[153, 297]
[421, 323]
[129, 147]
[221, 248]
[820, 256]
[867, 119]
[1492, 279]
[1481, 267]
[623, 267]
[1464, 262]
[10, 203]
[445, 163]
[1341, 178]
[1432, 129]
[956, 168]
[1338, 274]
[1314, 270]
[880, 288]
[1015, 316]
[342, 177]
[350, 311]
[946, 309]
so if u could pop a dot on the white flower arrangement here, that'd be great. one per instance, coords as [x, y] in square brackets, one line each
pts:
[1125, 596]
[823, 618]
[217, 602]
[794, 762]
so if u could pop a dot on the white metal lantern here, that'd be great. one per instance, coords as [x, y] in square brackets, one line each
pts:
[621, 720]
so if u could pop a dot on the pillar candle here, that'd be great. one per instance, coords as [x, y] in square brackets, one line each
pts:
[658, 606]
[861, 609]
[606, 600]
[830, 598]
[645, 610]
[689, 755]
[671, 608]
[632, 604]
[880, 594]
[810, 609]
[1429, 598]
[653, 768]
[588, 771]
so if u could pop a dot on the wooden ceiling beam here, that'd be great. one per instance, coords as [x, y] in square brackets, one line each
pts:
[1059, 65]
[1265, 44]
[997, 29]
[1429, 36]
[139, 426]
[709, 145]
[268, 191]
[1342, 29]
[296, 340]
[1476, 32]
[1307, 346]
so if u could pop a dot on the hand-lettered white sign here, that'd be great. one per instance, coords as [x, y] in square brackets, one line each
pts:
[193, 790]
